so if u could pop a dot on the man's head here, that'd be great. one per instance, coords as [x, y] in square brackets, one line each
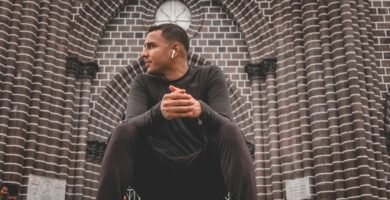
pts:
[4, 190]
[164, 45]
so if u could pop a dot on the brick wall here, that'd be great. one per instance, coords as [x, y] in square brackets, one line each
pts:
[40, 100]
[380, 16]
[265, 6]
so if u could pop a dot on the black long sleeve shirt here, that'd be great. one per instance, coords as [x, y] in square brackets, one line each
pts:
[181, 139]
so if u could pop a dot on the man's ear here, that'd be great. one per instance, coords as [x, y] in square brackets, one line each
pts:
[176, 48]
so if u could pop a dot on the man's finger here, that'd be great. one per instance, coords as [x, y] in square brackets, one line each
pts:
[178, 102]
[176, 89]
[178, 109]
[176, 96]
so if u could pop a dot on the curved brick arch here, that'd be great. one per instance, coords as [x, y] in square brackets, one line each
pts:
[95, 14]
[111, 105]
[254, 25]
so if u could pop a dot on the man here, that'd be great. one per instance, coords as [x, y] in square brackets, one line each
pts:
[178, 141]
[4, 192]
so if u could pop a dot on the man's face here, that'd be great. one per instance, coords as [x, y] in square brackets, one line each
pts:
[156, 53]
[4, 191]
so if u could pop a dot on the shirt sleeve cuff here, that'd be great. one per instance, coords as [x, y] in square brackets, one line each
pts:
[209, 117]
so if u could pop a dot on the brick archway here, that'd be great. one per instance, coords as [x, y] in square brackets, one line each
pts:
[86, 31]
[94, 15]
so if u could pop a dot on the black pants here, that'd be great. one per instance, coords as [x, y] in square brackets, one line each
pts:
[224, 166]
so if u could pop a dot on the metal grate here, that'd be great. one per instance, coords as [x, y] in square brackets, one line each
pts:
[132, 194]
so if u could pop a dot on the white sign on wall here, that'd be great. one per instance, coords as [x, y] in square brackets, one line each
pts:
[298, 189]
[44, 188]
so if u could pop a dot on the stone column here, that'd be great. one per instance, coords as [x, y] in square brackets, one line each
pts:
[80, 76]
[257, 74]
[70, 120]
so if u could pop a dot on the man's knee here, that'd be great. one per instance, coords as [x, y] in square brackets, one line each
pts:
[124, 132]
[230, 133]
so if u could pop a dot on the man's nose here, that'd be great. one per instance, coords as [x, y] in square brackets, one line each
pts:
[144, 53]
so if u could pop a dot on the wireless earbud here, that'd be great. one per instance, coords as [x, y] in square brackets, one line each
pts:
[173, 53]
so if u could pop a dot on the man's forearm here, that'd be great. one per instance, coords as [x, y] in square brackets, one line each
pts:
[146, 119]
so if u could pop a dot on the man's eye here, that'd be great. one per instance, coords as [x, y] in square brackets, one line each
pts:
[148, 46]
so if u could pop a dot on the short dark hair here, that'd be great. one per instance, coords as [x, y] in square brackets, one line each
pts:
[172, 32]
